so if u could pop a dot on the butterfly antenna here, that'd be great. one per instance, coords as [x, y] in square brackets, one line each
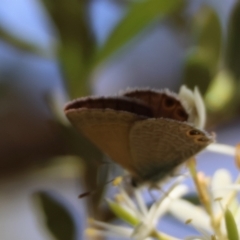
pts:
[89, 193]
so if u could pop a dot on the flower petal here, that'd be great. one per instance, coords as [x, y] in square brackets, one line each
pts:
[222, 148]
[220, 185]
[194, 105]
[110, 228]
[200, 108]
[184, 210]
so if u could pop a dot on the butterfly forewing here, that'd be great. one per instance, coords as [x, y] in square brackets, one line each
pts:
[119, 103]
[158, 146]
[163, 103]
[108, 130]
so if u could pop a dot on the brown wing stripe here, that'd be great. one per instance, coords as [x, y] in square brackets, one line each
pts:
[115, 103]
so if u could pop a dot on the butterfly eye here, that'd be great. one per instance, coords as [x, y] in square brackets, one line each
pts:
[194, 132]
[169, 102]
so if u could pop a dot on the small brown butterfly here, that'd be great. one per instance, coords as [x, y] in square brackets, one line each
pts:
[145, 131]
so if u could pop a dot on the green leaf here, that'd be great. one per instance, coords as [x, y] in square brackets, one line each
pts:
[233, 42]
[58, 218]
[72, 22]
[209, 36]
[202, 62]
[77, 45]
[231, 226]
[73, 65]
[139, 16]
[22, 45]
[222, 85]
[197, 72]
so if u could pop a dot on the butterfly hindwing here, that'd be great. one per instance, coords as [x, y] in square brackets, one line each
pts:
[158, 146]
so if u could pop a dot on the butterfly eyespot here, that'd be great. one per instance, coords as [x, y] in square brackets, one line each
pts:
[169, 102]
[194, 132]
[182, 114]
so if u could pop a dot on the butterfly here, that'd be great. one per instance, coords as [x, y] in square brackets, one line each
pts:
[145, 131]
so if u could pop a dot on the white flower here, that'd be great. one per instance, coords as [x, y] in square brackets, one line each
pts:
[218, 195]
[210, 220]
[194, 104]
[137, 214]
[157, 210]
[222, 194]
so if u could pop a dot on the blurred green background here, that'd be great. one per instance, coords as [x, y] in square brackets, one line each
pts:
[86, 47]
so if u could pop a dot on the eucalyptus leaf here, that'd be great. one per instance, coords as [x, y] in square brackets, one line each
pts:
[140, 15]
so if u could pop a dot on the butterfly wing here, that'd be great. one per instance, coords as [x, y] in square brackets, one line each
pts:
[108, 130]
[107, 121]
[158, 146]
[163, 103]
